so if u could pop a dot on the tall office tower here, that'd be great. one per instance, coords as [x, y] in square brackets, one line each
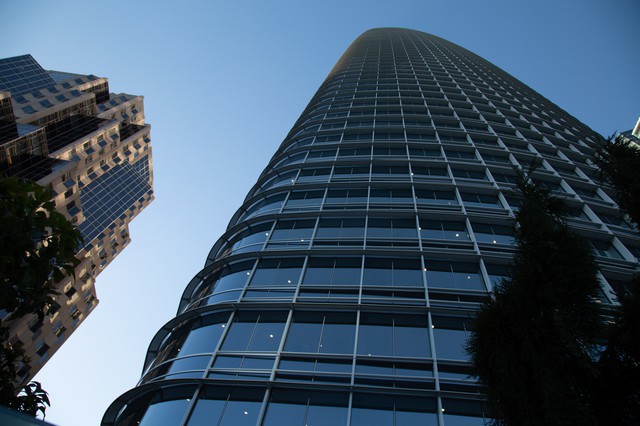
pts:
[92, 148]
[343, 290]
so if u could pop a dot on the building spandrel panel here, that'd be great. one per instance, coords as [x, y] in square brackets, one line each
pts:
[346, 284]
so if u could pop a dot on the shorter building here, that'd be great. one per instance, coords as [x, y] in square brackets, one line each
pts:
[92, 148]
[633, 135]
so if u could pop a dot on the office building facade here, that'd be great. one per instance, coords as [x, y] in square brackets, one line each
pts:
[343, 291]
[92, 149]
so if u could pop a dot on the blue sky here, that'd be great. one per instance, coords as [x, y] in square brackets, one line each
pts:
[223, 84]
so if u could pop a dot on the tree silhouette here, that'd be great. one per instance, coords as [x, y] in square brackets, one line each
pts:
[534, 342]
[616, 393]
[37, 250]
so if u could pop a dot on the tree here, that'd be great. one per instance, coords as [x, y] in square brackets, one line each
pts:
[616, 393]
[534, 342]
[618, 160]
[37, 250]
[37, 247]
[31, 399]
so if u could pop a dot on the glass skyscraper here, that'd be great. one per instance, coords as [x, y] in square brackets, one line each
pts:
[343, 291]
[92, 149]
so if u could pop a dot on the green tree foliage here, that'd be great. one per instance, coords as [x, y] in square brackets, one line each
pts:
[534, 341]
[37, 247]
[617, 392]
[31, 399]
[37, 250]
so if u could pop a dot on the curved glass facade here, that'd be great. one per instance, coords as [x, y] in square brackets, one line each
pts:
[344, 289]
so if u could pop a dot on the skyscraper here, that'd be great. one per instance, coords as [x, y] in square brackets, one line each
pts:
[92, 148]
[344, 288]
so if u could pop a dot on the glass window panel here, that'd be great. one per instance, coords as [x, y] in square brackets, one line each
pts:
[497, 273]
[277, 272]
[379, 228]
[304, 333]
[340, 228]
[411, 336]
[450, 338]
[233, 276]
[255, 235]
[327, 409]
[223, 361]
[378, 272]
[455, 231]
[268, 332]
[338, 334]
[407, 272]
[329, 271]
[375, 336]
[165, 413]
[239, 334]
[189, 363]
[206, 412]
[282, 413]
[426, 196]
[347, 272]
[240, 413]
[304, 199]
[293, 230]
[450, 344]
[462, 413]
[204, 338]
[371, 410]
[411, 411]
[335, 367]
[495, 234]
[223, 297]
[319, 271]
[454, 275]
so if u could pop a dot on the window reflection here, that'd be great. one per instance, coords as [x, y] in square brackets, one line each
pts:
[400, 411]
[252, 331]
[168, 407]
[333, 271]
[316, 332]
[397, 228]
[450, 336]
[330, 228]
[250, 239]
[297, 408]
[393, 335]
[443, 230]
[392, 272]
[493, 234]
[304, 200]
[292, 231]
[216, 406]
[277, 272]
[456, 275]
[427, 196]
[270, 204]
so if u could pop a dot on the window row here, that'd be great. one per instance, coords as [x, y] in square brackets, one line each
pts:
[250, 278]
[393, 151]
[242, 406]
[377, 340]
[374, 230]
[384, 197]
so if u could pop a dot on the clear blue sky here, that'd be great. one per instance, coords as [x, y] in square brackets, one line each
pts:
[225, 81]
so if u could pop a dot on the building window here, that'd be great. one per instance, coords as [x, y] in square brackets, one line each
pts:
[253, 331]
[316, 332]
[454, 275]
[393, 335]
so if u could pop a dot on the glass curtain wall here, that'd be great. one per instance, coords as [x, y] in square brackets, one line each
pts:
[344, 288]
